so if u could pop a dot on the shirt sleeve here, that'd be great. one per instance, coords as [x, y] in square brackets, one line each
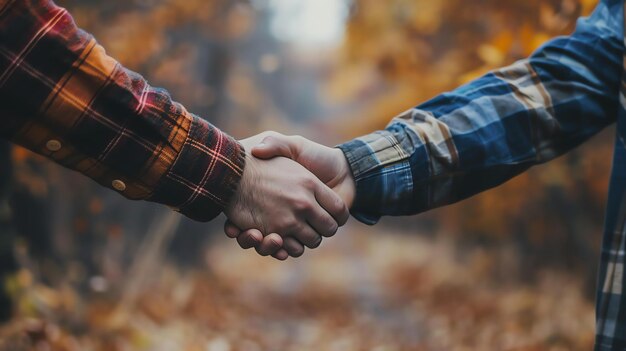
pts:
[486, 132]
[61, 96]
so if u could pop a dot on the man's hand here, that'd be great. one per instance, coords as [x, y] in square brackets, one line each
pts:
[281, 196]
[328, 164]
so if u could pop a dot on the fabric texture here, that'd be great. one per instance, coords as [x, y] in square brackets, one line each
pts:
[486, 132]
[61, 96]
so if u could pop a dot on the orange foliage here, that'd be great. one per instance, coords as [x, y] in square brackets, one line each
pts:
[400, 53]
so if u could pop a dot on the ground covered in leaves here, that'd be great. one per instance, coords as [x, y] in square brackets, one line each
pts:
[367, 289]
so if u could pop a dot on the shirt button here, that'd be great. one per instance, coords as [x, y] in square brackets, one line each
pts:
[53, 145]
[118, 185]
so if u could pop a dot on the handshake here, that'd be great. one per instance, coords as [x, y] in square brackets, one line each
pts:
[293, 192]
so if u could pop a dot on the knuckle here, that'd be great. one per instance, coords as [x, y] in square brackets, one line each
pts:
[302, 204]
[269, 134]
[274, 241]
[340, 206]
[297, 230]
[309, 182]
[292, 227]
[251, 238]
[274, 244]
[284, 224]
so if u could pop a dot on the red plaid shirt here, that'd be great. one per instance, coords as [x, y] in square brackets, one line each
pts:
[61, 96]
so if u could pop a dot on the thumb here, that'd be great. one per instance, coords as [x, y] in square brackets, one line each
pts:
[274, 146]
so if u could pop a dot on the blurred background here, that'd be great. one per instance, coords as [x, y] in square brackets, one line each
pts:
[511, 269]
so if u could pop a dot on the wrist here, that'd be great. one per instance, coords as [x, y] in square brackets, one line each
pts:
[248, 175]
[347, 187]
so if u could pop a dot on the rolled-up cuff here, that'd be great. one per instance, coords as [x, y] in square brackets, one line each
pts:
[205, 175]
[382, 175]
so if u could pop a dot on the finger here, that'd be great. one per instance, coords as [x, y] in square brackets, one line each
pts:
[293, 247]
[281, 255]
[276, 145]
[270, 245]
[332, 203]
[250, 238]
[307, 236]
[322, 222]
[231, 230]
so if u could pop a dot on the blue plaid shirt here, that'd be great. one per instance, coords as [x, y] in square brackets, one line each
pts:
[486, 132]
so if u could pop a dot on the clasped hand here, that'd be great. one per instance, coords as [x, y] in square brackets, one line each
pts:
[293, 193]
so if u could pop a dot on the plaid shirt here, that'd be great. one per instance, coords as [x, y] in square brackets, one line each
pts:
[62, 97]
[484, 133]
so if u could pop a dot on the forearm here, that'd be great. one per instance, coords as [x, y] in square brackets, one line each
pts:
[482, 134]
[63, 97]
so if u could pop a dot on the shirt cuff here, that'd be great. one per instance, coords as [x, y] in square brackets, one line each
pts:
[205, 175]
[382, 173]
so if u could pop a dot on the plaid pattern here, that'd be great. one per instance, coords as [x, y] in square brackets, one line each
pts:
[484, 133]
[57, 84]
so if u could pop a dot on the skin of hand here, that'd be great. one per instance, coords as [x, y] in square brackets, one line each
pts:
[328, 164]
[279, 195]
